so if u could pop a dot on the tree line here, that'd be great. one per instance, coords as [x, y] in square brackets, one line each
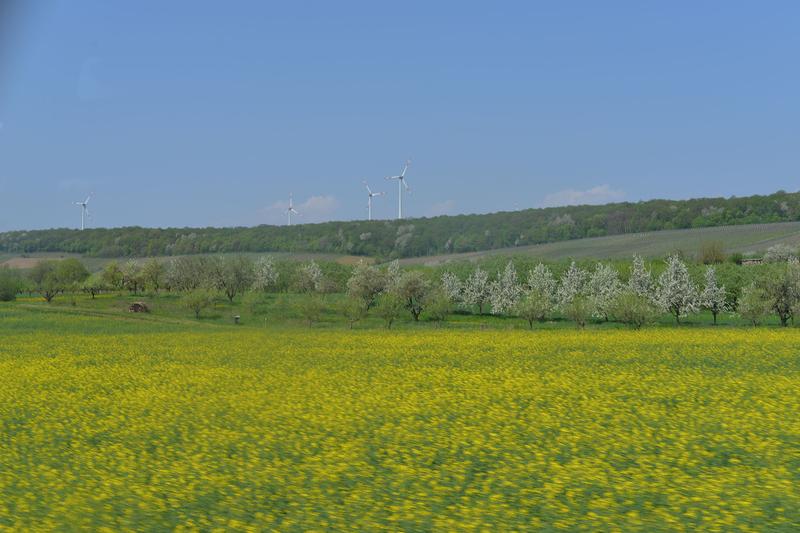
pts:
[634, 293]
[416, 237]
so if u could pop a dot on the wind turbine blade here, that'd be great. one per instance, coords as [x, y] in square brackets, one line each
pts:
[406, 185]
[405, 167]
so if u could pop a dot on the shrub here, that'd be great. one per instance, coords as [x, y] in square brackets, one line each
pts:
[198, 300]
[439, 306]
[534, 307]
[579, 309]
[256, 302]
[711, 253]
[633, 309]
[390, 306]
[753, 304]
[310, 308]
[10, 285]
[353, 309]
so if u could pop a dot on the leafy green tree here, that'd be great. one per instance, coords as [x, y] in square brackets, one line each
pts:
[365, 284]
[152, 274]
[438, 306]
[413, 289]
[353, 310]
[782, 289]
[112, 276]
[534, 306]
[232, 275]
[633, 309]
[198, 300]
[10, 284]
[579, 309]
[94, 284]
[754, 304]
[311, 307]
[390, 305]
[54, 277]
[132, 276]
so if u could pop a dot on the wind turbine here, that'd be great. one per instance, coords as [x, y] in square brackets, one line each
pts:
[84, 211]
[370, 194]
[290, 210]
[401, 182]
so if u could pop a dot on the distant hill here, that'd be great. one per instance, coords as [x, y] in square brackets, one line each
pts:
[744, 239]
[417, 237]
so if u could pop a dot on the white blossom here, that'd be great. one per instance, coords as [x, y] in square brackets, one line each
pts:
[265, 275]
[675, 291]
[452, 287]
[505, 290]
[393, 274]
[573, 283]
[477, 289]
[542, 282]
[713, 295]
[604, 286]
[641, 281]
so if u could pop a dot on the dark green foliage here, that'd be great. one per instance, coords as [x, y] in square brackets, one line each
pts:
[198, 300]
[438, 306]
[53, 277]
[390, 305]
[10, 284]
[417, 237]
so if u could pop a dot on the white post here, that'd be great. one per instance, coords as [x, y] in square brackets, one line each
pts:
[400, 199]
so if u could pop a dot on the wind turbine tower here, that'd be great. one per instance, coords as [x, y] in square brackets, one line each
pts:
[289, 211]
[401, 184]
[370, 195]
[84, 211]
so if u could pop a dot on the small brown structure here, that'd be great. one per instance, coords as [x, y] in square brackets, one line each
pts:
[752, 261]
[138, 307]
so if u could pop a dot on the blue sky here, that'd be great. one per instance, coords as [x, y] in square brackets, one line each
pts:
[205, 113]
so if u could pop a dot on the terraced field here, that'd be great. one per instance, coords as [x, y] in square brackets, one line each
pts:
[754, 238]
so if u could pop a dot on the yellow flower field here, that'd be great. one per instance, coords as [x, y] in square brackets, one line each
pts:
[368, 430]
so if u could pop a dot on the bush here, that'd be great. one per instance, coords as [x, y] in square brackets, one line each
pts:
[10, 285]
[534, 307]
[353, 309]
[438, 306]
[198, 300]
[256, 303]
[753, 304]
[310, 308]
[390, 306]
[578, 310]
[711, 253]
[633, 309]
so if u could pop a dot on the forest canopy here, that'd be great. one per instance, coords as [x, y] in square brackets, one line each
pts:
[416, 237]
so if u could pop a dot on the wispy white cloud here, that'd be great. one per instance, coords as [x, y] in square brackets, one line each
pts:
[600, 194]
[447, 207]
[314, 209]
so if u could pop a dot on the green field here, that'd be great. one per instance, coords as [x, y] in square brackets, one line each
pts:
[751, 238]
[161, 422]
